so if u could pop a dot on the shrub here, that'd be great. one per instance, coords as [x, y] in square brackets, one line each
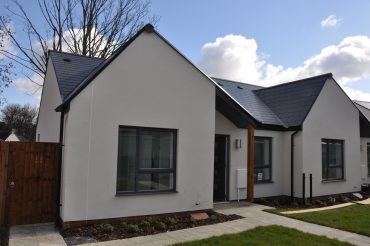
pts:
[263, 201]
[294, 204]
[150, 220]
[144, 224]
[276, 203]
[320, 203]
[124, 225]
[214, 217]
[160, 226]
[331, 201]
[106, 228]
[170, 221]
[344, 199]
[133, 228]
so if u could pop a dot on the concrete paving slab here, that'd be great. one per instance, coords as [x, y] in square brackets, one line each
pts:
[364, 202]
[35, 235]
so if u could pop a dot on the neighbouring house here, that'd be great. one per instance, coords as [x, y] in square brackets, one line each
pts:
[14, 137]
[364, 108]
[146, 132]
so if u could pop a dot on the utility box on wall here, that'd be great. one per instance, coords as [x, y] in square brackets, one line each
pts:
[241, 180]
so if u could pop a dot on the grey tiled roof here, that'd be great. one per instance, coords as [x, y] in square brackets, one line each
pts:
[72, 69]
[364, 108]
[363, 104]
[244, 94]
[285, 105]
[291, 102]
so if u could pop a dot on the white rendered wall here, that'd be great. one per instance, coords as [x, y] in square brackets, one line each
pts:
[148, 85]
[333, 116]
[49, 120]
[238, 157]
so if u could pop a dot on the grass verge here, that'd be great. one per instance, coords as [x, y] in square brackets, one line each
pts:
[354, 218]
[268, 235]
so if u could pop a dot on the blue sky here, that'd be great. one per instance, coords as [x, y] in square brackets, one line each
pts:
[276, 33]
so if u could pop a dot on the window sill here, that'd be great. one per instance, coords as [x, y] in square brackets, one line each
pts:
[264, 182]
[145, 193]
[333, 181]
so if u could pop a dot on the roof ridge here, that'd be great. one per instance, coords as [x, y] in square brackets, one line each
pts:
[298, 81]
[238, 82]
[74, 54]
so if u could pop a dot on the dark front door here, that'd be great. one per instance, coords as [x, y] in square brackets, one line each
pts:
[220, 186]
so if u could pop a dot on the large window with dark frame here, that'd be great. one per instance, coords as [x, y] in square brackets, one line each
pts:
[262, 160]
[368, 159]
[146, 160]
[332, 159]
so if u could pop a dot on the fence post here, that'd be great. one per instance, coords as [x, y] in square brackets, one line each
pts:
[303, 188]
[311, 188]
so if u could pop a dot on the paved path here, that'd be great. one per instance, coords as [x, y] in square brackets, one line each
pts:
[35, 235]
[254, 216]
[342, 205]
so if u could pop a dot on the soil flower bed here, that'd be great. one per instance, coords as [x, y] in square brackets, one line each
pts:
[284, 202]
[142, 226]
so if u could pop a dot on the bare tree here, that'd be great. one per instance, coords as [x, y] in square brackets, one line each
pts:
[87, 27]
[5, 67]
[21, 118]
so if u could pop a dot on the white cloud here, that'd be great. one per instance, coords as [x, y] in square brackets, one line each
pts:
[28, 86]
[232, 56]
[356, 94]
[237, 58]
[330, 21]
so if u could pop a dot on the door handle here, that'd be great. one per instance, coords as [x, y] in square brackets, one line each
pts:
[12, 184]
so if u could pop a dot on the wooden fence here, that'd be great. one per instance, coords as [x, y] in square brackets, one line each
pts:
[28, 182]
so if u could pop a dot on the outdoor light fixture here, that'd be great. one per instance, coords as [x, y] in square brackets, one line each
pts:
[238, 143]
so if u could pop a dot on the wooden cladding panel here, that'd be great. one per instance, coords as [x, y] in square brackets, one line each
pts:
[32, 168]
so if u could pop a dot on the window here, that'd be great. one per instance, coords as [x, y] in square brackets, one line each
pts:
[146, 160]
[368, 159]
[262, 160]
[332, 159]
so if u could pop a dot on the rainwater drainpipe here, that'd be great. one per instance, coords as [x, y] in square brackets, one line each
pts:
[59, 168]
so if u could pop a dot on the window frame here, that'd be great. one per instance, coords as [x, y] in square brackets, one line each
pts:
[326, 165]
[368, 158]
[264, 166]
[139, 170]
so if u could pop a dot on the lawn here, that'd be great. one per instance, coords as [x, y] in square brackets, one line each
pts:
[268, 235]
[355, 218]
